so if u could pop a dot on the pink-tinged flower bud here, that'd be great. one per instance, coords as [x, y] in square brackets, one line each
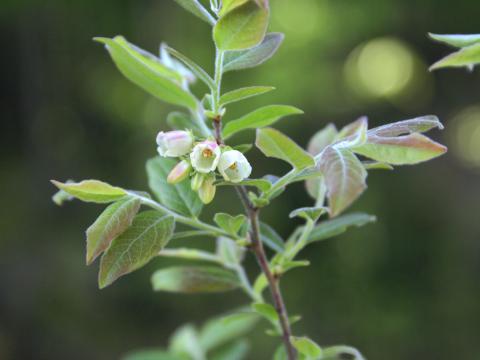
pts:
[179, 173]
[197, 181]
[205, 156]
[206, 193]
[234, 166]
[174, 143]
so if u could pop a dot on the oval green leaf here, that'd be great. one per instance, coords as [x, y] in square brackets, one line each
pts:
[92, 191]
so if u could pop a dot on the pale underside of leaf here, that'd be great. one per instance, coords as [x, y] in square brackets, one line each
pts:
[465, 57]
[246, 59]
[344, 178]
[456, 40]
[402, 150]
[418, 125]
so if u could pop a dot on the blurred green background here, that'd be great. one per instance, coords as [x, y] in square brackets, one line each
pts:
[406, 287]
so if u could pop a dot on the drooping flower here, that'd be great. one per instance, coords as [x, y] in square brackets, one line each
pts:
[180, 172]
[174, 143]
[207, 191]
[205, 156]
[234, 166]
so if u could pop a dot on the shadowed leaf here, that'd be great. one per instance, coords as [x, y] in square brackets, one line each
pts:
[194, 279]
[149, 233]
[111, 223]
[330, 228]
[244, 93]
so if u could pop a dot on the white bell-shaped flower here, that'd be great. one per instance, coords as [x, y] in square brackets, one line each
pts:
[234, 166]
[205, 156]
[174, 143]
[179, 173]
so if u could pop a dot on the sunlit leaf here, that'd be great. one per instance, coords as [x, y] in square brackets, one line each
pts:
[330, 228]
[196, 69]
[189, 254]
[242, 28]
[235, 351]
[309, 213]
[111, 223]
[259, 118]
[229, 252]
[457, 40]
[92, 191]
[465, 57]
[262, 184]
[194, 279]
[353, 135]
[307, 347]
[180, 197]
[341, 352]
[230, 223]
[246, 59]
[149, 74]
[275, 144]
[418, 125]
[185, 343]
[197, 9]
[244, 93]
[375, 165]
[149, 233]
[401, 150]
[345, 178]
[267, 311]
[229, 5]
[221, 330]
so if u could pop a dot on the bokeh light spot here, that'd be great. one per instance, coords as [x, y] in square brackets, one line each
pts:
[466, 136]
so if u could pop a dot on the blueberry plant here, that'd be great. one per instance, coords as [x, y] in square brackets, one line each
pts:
[199, 154]
[467, 54]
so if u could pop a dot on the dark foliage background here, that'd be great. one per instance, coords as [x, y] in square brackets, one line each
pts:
[405, 288]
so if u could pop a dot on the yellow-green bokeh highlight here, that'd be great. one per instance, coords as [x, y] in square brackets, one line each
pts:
[465, 136]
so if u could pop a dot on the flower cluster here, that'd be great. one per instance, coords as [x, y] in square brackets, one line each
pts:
[199, 161]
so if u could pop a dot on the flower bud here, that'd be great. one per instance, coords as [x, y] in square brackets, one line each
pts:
[205, 156]
[234, 166]
[197, 181]
[174, 143]
[179, 173]
[206, 193]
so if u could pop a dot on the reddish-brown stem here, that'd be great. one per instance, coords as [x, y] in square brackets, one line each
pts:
[273, 281]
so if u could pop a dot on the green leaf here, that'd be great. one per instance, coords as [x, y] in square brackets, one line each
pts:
[235, 351]
[193, 67]
[353, 135]
[194, 279]
[259, 118]
[246, 59]
[280, 353]
[221, 330]
[229, 223]
[418, 125]
[111, 223]
[309, 213]
[375, 165]
[153, 354]
[189, 254]
[275, 144]
[229, 252]
[341, 352]
[242, 28]
[328, 229]
[244, 93]
[180, 121]
[322, 139]
[185, 343]
[307, 347]
[267, 311]
[197, 9]
[270, 238]
[92, 191]
[180, 197]
[261, 184]
[149, 233]
[243, 148]
[465, 57]
[401, 150]
[456, 40]
[147, 73]
[229, 5]
[345, 178]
